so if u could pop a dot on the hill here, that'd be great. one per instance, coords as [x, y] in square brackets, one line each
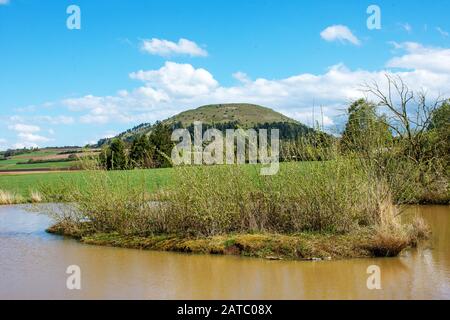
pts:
[247, 115]
[224, 116]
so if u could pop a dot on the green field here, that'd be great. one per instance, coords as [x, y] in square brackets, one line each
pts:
[23, 184]
[12, 166]
[18, 162]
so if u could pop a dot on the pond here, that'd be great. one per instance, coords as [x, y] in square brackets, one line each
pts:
[33, 266]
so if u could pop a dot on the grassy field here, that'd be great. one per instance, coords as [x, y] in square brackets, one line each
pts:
[24, 184]
[47, 159]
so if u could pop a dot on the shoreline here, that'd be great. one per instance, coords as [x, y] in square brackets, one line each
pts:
[300, 247]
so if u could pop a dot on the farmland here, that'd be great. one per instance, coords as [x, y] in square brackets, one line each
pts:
[42, 160]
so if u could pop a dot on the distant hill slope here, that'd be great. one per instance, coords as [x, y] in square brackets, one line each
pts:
[248, 115]
[230, 115]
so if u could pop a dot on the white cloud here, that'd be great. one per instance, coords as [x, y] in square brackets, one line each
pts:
[24, 128]
[27, 136]
[32, 138]
[4, 2]
[241, 77]
[442, 32]
[181, 80]
[177, 87]
[166, 48]
[420, 58]
[339, 33]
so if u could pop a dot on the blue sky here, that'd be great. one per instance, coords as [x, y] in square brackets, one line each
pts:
[127, 65]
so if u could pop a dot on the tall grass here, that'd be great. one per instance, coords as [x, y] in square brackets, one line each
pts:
[331, 197]
[336, 197]
[109, 205]
[345, 195]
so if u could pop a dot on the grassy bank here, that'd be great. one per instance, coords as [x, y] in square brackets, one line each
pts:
[303, 246]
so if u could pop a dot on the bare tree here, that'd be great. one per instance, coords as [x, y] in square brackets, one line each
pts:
[409, 112]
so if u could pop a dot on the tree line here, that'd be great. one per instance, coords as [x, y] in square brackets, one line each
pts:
[145, 151]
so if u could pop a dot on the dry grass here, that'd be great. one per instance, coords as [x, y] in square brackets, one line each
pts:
[387, 244]
[36, 196]
[418, 231]
[391, 236]
[7, 197]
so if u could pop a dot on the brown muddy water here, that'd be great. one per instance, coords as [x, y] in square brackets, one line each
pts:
[33, 266]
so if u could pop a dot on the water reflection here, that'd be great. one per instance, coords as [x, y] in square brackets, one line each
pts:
[33, 265]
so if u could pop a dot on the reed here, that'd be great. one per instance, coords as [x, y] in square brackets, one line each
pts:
[343, 196]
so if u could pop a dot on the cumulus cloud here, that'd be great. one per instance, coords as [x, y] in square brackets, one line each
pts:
[179, 80]
[32, 138]
[241, 77]
[27, 136]
[166, 48]
[176, 87]
[4, 2]
[420, 58]
[339, 33]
